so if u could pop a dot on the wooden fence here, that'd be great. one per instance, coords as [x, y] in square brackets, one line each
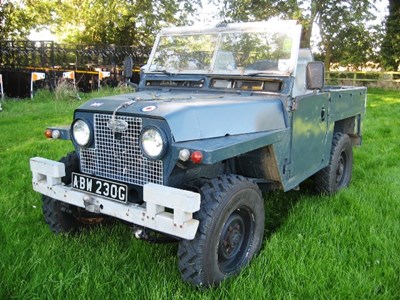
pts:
[364, 78]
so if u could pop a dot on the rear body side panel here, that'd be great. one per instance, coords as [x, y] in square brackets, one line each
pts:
[310, 136]
[314, 121]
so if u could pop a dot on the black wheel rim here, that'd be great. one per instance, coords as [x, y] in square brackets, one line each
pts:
[235, 240]
[341, 168]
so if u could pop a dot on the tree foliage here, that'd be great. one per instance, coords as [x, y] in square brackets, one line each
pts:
[345, 38]
[391, 42]
[8, 25]
[128, 22]
[120, 22]
[18, 18]
[344, 35]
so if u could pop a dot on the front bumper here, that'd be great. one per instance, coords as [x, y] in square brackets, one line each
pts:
[46, 180]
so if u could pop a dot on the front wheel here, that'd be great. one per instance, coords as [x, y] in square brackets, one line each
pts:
[230, 232]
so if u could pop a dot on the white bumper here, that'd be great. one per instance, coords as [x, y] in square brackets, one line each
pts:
[46, 180]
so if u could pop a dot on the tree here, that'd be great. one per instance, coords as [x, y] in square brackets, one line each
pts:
[391, 42]
[17, 18]
[345, 38]
[120, 22]
[353, 47]
[336, 19]
[128, 22]
[11, 20]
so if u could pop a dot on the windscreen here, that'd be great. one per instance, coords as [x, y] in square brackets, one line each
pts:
[242, 52]
[184, 53]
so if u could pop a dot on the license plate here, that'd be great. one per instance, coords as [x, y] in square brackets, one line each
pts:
[100, 187]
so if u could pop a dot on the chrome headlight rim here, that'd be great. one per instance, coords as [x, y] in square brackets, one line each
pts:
[163, 138]
[86, 141]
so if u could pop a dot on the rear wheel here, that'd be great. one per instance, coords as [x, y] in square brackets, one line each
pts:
[62, 217]
[230, 232]
[337, 175]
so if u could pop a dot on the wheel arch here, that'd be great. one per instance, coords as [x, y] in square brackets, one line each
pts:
[255, 155]
[350, 126]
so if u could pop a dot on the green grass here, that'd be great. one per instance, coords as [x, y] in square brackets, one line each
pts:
[346, 246]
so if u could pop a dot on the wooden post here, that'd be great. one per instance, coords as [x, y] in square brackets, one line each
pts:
[328, 77]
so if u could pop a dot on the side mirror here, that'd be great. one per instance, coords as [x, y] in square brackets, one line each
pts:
[315, 75]
[128, 66]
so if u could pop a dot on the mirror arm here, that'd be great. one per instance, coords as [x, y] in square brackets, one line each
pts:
[134, 85]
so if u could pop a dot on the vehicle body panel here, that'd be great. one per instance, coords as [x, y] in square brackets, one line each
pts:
[193, 116]
[309, 135]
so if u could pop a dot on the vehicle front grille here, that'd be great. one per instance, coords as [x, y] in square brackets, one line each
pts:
[117, 156]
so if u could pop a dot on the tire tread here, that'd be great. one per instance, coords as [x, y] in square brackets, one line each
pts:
[190, 252]
[55, 212]
[323, 179]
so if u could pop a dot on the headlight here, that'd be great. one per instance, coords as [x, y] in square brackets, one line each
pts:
[81, 133]
[153, 142]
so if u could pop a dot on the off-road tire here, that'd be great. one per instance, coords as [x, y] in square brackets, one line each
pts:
[71, 162]
[337, 175]
[59, 217]
[62, 217]
[230, 232]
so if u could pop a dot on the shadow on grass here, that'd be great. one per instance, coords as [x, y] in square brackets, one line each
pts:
[279, 204]
[123, 234]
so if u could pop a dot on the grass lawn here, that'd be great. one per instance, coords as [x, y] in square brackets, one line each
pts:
[346, 246]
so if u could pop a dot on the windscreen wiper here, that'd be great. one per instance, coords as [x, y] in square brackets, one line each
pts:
[163, 72]
[265, 73]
